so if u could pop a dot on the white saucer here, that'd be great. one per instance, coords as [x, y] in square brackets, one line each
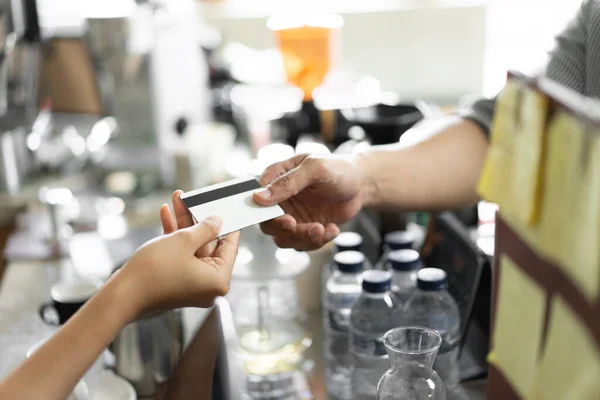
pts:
[112, 387]
[81, 392]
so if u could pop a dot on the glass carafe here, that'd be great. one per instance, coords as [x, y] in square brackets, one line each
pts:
[412, 350]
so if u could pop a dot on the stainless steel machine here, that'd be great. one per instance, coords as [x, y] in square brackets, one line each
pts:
[19, 60]
[153, 78]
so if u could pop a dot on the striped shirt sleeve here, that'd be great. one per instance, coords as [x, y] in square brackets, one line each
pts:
[566, 65]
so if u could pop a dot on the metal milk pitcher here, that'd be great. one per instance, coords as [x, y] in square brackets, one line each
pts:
[147, 351]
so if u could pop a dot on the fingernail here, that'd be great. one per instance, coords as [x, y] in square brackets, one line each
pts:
[265, 193]
[215, 220]
[330, 236]
[313, 232]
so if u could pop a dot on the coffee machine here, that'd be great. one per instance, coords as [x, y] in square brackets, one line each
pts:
[19, 60]
[153, 78]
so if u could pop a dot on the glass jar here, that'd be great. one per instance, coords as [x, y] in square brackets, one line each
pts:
[412, 350]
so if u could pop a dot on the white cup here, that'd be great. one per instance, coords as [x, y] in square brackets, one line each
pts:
[113, 387]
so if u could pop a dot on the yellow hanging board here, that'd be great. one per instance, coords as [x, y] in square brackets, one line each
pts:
[528, 148]
[518, 328]
[584, 264]
[495, 181]
[557, 225]
[570, 366]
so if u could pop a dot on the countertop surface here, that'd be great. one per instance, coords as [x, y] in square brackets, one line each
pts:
[476, 389]
[25, 286]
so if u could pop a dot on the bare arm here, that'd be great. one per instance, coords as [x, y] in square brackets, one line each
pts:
[438, 174]
[317, 193]
[442, 172]
[56, 367]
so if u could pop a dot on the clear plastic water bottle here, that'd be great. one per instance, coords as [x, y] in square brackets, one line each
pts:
[396, 240]
[375, 312]
[345, 241]
[404, 265]
[432, 306]
[342, 290]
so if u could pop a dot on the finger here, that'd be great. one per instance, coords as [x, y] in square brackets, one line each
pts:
[208, 250]
[331, 232]
[167, 220]
[280, 168]
[277, 226]
[289, 184]
[291, 242]
[309, 237]
[182, 214]
[202, 233]
[228, 248]
[313, 230]
[305, 237]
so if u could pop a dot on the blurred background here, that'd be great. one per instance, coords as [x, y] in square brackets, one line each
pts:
[426, 48]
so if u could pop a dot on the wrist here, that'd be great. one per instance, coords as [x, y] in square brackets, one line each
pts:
[123, 296]
[369, 190]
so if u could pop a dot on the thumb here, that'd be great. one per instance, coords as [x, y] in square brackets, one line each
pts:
[287, 185]
[202, 233]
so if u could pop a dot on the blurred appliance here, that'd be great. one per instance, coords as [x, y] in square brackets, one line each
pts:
[339, 121]
[147, 351]
[19, 58]
[229, 378]
[382, 123]
[451, 248]
[263, 113]
[310, 45]
[153, 77]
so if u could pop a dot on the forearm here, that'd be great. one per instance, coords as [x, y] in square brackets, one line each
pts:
[56, 367]
[438, 174]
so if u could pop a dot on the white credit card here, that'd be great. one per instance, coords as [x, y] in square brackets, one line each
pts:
[232, 201]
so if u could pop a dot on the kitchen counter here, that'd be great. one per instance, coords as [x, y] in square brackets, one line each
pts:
[476, 389]
[24, 287]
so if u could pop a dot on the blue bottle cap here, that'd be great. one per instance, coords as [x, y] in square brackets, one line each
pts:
[398, 240]
[350, 261]
[376, 281]
[404, 260]
[347, 241]
[432, 279]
